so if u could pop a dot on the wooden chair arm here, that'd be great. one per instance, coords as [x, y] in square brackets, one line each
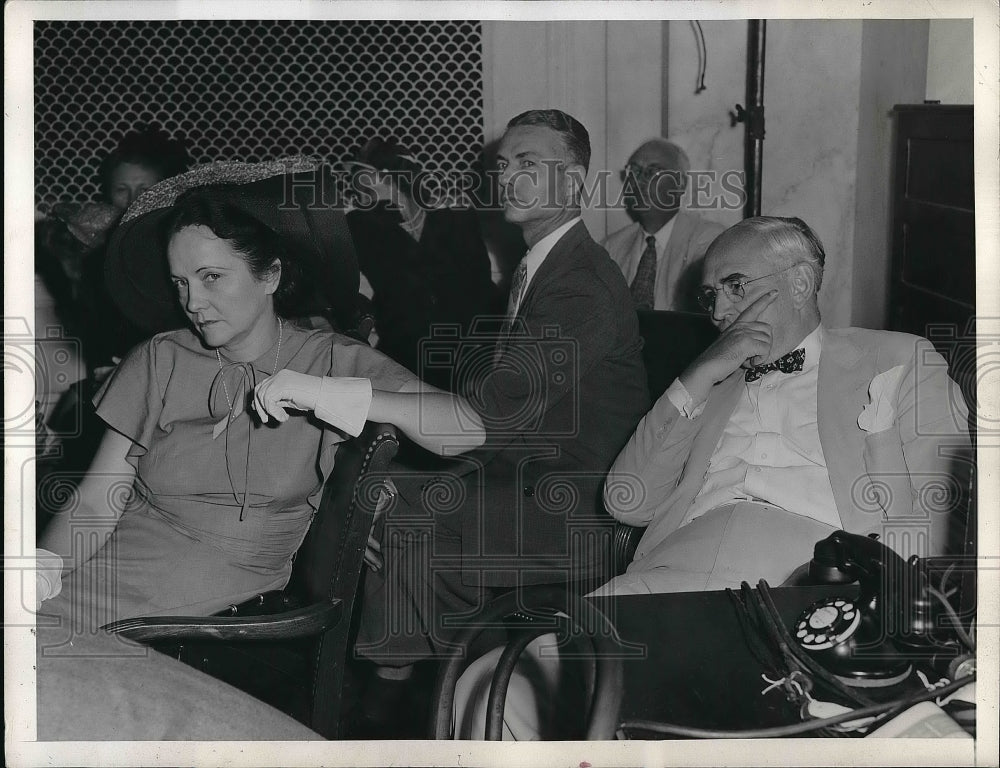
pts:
[303, 622]
[626, 541]
[276, 601]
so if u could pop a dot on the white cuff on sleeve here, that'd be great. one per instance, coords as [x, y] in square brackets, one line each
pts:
[344, 403]
[678, 395]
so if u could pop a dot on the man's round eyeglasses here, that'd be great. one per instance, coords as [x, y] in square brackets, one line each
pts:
[734, 289]
[644, 173]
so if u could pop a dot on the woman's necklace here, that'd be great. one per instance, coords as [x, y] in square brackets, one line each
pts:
[274, 369]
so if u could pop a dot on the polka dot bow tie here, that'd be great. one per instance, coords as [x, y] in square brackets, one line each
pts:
[789, 363]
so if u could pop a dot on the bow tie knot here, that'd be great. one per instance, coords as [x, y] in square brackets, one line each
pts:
[789, 363]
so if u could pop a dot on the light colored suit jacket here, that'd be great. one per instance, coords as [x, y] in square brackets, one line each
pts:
[902, 482]
[679, 271]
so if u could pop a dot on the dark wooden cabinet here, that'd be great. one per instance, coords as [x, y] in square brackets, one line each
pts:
[933, 283]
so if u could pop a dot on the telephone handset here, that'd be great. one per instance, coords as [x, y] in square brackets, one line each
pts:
[873, 639]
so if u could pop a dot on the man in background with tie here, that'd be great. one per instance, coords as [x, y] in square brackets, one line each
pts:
[660, 252]
[783, 431]
[559, 394]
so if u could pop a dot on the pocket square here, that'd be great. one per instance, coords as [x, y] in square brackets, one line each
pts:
[880, 413]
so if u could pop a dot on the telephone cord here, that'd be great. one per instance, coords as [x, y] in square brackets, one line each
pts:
[888, 709]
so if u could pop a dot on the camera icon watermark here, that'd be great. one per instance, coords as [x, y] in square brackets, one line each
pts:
[510, 378]
[52, 362]
[971, 357]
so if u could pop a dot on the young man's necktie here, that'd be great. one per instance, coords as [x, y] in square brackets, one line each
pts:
[517, 286]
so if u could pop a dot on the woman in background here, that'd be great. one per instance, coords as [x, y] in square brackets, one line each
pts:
[72, 302]
[143, 158]
[70, 245]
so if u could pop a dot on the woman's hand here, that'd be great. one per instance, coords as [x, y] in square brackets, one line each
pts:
[340, 401]
[286, 390]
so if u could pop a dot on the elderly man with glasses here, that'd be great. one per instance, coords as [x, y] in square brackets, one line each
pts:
[783, 431]
[660, 252]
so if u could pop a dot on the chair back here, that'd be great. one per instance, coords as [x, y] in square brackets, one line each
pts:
[671, 342]
[529, 612]
[328, 565]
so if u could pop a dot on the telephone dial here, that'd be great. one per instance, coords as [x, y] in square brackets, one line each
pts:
[895, 621]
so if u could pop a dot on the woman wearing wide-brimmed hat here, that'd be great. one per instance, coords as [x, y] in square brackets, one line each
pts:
[221, 432]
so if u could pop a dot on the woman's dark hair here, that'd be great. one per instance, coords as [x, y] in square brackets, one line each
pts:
[149, 146]
[258, 244]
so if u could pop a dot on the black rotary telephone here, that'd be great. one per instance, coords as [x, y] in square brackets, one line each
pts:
[894, 622]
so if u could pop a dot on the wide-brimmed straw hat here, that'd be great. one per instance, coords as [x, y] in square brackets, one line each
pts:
[289, 196]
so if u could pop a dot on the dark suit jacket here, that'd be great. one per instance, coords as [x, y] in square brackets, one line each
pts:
[444, 279]
[559, 404]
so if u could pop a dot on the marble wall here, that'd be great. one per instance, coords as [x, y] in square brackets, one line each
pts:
[818, 81]
[828, 88]
[949, 61]
[700, 122]
[811, 150]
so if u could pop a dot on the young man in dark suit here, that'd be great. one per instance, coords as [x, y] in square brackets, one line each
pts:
[560, 394]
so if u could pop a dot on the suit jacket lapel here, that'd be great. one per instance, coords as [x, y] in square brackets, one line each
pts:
[675, 258]
[842, 392]
[718, 410]
[684, 226]
[558, 259]
[632, 252]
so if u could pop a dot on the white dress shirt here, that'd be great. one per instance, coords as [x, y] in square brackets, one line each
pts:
[536, 254]
[770, 449]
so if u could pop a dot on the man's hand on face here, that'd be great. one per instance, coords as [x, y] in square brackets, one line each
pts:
[746, 340]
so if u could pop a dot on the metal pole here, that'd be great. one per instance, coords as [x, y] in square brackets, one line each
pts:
[753, 156]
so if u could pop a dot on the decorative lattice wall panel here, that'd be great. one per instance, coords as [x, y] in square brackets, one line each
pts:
[253, 90]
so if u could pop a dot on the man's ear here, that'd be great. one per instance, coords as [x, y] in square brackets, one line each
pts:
[802, 281]
[574, 180]
[273, 277]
